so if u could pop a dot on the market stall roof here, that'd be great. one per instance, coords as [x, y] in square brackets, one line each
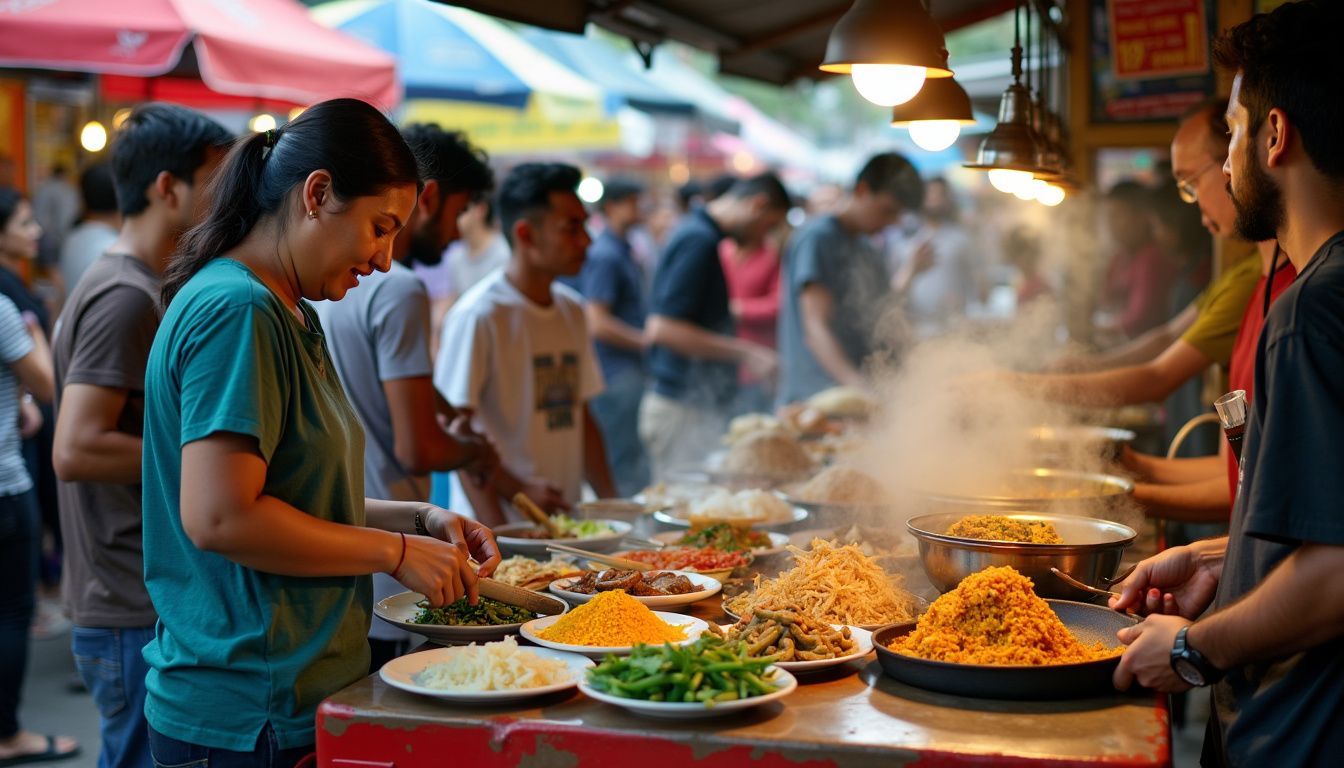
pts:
[267, 49]
[777, 41]
[608, 67]
[452, 53]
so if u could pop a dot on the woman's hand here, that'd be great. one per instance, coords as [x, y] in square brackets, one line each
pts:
[436, 569]
[469, 537]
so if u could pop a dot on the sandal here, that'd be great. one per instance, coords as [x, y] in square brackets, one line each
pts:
[40, 757]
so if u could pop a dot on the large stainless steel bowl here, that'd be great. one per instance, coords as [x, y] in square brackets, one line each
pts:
[1038, 489]
[1069, 443]
[1091, 552]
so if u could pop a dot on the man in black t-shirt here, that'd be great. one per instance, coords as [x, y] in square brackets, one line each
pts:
[694, 353]
[1273, 643]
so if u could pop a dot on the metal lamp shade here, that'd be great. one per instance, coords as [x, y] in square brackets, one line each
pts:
[940, 99]
[1012, 145]
[887, 32]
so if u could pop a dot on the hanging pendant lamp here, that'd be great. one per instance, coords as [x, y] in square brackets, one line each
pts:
[889, 48]
[936, 115]
[1011, 153]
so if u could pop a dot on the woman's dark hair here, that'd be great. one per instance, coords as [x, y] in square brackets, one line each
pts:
[353, 141]
[9, 203]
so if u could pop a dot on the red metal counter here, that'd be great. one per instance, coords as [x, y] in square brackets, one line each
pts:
[853, 716]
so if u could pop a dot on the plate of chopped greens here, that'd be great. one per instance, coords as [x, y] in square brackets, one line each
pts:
[457, 623]
[710, 677]
[532, 540]
[728, 538]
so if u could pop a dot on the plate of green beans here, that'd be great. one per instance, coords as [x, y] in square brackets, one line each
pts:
[708, 678]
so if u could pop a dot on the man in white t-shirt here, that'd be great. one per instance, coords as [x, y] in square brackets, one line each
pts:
[516, 350]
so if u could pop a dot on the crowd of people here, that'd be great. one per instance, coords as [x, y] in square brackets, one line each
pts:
[269, 344]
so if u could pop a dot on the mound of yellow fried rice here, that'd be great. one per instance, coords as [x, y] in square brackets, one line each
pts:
[994, 617]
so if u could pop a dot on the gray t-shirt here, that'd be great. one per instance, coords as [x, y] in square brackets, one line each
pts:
[102, 338]
[15, 343]
[823, 253]
[380, 332]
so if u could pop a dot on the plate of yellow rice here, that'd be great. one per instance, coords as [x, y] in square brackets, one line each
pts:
[612, 622]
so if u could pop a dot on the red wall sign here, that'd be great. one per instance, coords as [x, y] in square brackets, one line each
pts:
[1158, 38]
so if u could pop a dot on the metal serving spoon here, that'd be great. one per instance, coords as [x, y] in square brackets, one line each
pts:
[1067, 579]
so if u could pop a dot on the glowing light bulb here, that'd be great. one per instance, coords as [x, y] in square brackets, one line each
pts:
[590, 190]
[1031, 190]
[887, 84]
[934, 135]
[1007, 181]
[93, 137]
[261, 123]
[1051, 196]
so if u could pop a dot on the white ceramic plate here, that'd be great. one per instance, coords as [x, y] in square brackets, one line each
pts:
[689, 711]
[680, 517]
[398, 610]
[401, 672]
[863, 642]
[777, 542]
[536, 548]
[708, 587]
[693, 629]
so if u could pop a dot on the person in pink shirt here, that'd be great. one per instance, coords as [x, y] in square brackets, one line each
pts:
[752, 271]
[1135, 292]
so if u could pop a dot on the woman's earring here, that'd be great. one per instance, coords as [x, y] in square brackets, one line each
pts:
[312, 214]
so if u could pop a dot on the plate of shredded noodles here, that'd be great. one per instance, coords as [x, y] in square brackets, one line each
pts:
[832, 584]
[492, 673]
[993, 636]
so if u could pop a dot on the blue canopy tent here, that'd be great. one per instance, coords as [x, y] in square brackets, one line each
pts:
[610, 70]
[450, 53]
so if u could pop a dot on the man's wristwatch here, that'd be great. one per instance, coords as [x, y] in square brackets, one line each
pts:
[1190, 664]
[420, 528]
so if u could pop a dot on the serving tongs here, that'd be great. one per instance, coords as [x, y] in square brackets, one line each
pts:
[635, 542]
[1071, 581]
[608, 560]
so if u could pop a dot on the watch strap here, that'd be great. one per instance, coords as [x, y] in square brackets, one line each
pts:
[420, 528]
[1182, 650]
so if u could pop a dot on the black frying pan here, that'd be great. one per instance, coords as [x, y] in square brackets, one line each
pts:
[1089, 623]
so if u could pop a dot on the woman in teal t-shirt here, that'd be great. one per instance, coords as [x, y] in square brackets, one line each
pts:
[259, 542]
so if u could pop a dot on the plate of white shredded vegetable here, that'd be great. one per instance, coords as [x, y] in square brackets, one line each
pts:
[493, 673]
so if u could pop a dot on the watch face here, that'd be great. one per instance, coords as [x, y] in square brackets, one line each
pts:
[1188, 672]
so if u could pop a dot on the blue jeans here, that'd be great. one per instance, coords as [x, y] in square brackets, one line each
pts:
[18, 585]
[616, 412]
[110, 663]
[168, 752]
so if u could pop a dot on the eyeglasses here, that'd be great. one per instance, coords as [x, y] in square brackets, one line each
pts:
[1186, 187]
